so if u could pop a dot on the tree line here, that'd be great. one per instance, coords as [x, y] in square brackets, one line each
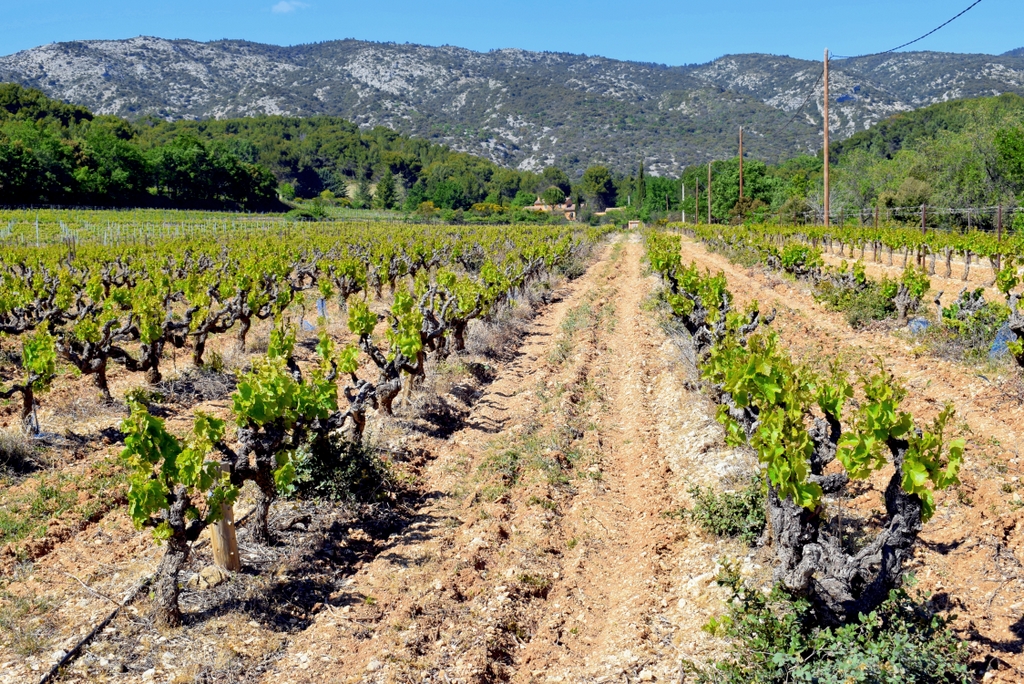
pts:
[958, 154]
[954, 154]
[55, 153]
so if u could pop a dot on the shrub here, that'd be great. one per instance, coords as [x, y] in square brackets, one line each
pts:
[17, 453]
[728, 514]
[777, 638]
[301, 214]
[861, 306]
[968, 328]
[341, 471]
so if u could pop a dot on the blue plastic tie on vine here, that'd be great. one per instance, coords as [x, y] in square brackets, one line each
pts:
[1000, 345]
[918, 325]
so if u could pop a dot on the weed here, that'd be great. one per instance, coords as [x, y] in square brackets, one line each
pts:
[370, 601]
[143, 396]
[777, 638]
[861, 305]
[510, 626]
[214, 361]
[740, 514]
[963, 498]
[546, 504]
[571, 544]
[535, 586]
[583, 317]
[336, 469]
[17, 453]
[562, 349]
[19, 621]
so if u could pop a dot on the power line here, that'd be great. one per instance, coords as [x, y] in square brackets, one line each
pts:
[900, 47]
[885, 52]
[807, 99]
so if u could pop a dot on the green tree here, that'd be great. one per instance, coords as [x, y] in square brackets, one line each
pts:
[553, 195]
[641, 187]
[116, 171]
[416, 196]
[18, 168]
[506, 183]
[386, 197]
[1009, 144]
[363, 198]
[448, 194]
[598, 187]
[554, 176]
[523, 199]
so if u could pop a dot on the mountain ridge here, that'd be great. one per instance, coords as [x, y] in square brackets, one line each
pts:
[516, 107]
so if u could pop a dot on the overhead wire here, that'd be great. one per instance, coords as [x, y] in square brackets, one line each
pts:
[873, 54]
[920, 38]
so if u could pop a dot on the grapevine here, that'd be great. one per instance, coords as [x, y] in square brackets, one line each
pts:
[795, 418]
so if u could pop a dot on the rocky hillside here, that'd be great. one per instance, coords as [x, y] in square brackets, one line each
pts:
[518, 108]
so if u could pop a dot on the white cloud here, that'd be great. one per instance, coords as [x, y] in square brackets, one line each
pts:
[287, 6]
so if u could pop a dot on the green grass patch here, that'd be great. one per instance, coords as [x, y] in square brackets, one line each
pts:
[26, 509]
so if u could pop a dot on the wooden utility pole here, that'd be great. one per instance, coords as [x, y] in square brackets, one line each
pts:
[709, 192]
[696, 201]
[827, 208]
[999, 237]
[682, 199]
[924, 232]
[741, 163]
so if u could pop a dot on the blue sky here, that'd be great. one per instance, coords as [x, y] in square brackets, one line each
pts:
[678, 32]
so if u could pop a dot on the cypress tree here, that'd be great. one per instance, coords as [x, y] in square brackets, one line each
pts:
[641, 187]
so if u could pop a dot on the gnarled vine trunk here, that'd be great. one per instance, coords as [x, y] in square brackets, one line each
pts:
[165, 582]
[812, 560]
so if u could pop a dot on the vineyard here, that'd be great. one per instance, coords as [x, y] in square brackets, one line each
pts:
[239, 448]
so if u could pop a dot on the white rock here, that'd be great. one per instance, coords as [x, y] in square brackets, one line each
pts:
[374, 666]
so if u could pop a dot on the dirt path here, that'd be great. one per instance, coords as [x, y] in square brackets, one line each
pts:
[973, 550]
[568, 570]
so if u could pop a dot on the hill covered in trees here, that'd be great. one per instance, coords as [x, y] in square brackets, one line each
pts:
[965, 153]
[55, 153]
[962, 154]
